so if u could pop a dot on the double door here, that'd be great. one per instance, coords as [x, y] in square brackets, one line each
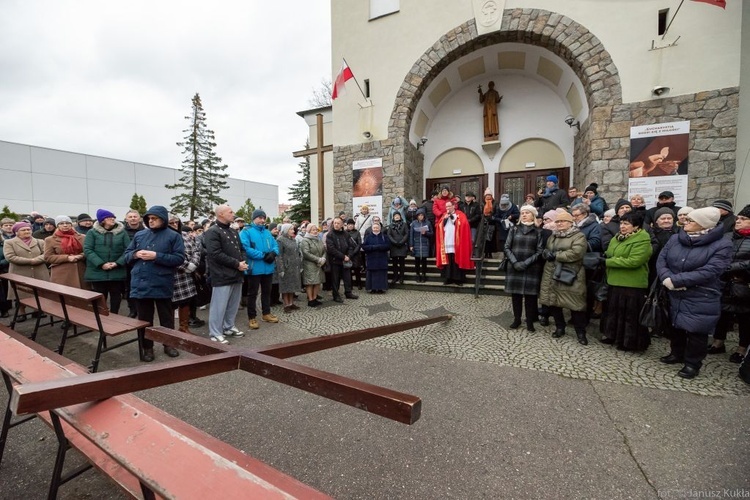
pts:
[459, 186]
[518, 184]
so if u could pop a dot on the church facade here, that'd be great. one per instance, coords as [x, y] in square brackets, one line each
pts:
[575, 77]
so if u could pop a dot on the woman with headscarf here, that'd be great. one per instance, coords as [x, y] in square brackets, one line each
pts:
[26, 257]
[376, 246]
[313, 260]
[420, 232]
[104, 248]
[289, 265]
[564, 278]
[627, 276]
[690, 266]
[523, 249]
[398, 235]
[63, 252]
[735, 299]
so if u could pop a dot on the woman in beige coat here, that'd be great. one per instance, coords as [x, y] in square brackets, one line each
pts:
[564, 255]
[26, 257]
[63, 252]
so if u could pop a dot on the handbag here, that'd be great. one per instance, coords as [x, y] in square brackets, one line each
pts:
[203, 290]
[739, 290]
[564, 274]
[592, 260]
[654, 314]
[503, 265]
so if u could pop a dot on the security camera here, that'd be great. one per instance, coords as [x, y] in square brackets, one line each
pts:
[367, 134]
[659, 90]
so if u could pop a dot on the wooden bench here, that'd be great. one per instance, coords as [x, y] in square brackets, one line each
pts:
[76, 307]
[148, 453]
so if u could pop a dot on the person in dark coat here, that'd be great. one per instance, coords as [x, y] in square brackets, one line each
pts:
[690, 266]
[340, 250]
[133, 223]
[473, 213]
[419, 244]
[612, 228]
[666, 199]
[552, 196]
[504, 216]
[735, 298]
[358, 260]
[154, 255]
[663, 229]
[105, 247]
[85, 223]
[430, 216]
[398, 235]
[376, 247]
[523, 249]
[48, 229]
[595, 202]
[727, 219]
[411, 212]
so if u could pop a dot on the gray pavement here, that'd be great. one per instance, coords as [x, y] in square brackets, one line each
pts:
[506, 414]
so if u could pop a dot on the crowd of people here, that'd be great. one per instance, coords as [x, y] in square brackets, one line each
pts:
[563, 252]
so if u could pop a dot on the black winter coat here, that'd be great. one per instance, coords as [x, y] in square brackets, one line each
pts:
[338, 245]
[224, 252]
[550, 201]
[398, 235]
[737, 277]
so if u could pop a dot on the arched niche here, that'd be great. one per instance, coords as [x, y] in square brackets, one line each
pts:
[543, 153]
[461, 159]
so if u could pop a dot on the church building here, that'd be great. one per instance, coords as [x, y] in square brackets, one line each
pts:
[582, 89]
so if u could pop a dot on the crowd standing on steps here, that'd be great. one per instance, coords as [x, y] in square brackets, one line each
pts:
[564, 251]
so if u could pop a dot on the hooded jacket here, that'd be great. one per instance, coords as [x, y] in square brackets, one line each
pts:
[257, 241]
[154, 279]
[102, 246]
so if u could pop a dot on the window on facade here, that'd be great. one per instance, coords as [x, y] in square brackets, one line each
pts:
[380, 8]
[663, 14]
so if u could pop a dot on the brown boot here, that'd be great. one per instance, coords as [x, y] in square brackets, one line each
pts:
[184, 318]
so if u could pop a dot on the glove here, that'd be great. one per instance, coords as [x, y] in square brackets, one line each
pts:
[269, 257]
[321, 262]
[519, 266]
[668, 283]
[548, 255]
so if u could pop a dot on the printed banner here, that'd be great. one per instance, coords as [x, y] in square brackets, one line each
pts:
[367, 186]
[659, 161]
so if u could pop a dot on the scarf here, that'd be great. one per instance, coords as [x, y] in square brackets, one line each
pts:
[566, 233]
[309, 235]
[68, 242]
[744, 232]
[488, 206]
[623, 237]
[27, 241]
[696, 234]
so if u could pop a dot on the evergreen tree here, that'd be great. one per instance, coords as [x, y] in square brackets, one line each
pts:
[246, 211]
[8, 213]
[138, 203]
[300, 192]
[203, 175]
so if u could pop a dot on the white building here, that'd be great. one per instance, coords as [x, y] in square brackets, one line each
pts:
[608, 64]
[54, 182]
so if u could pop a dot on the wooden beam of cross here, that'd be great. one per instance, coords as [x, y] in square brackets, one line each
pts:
[268, 362]
[318, 150]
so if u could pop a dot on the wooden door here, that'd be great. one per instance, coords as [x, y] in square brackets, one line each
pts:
[518, 184]
[459, 186]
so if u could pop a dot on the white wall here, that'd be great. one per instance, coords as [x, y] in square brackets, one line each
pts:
[55, 182]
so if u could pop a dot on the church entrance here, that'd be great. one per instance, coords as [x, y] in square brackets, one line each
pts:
[519, 184]
[459, 186]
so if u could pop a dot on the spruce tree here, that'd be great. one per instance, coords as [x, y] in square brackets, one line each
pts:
[138, 203]
[300, 192]
[203, 175]
[246, 211]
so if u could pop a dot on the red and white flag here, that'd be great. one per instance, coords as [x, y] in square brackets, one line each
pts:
[339, 87]
[718, 3]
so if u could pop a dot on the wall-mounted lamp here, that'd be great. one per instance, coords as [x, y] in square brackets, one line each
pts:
[572, 122]
[421, 142]
[659, 90]
[366, 135]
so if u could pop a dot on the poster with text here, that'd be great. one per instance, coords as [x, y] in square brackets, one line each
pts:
[659, 161]
[367, 189]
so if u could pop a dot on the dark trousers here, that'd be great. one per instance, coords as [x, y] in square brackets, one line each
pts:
[338, 272]
[262, 281]
[398, 264]
[111, 289]
[451, 272]
[5, 304]
[579, 319]
[145, 308]
[726, 322]
[532, 310]
[420, 265]
[690, 346]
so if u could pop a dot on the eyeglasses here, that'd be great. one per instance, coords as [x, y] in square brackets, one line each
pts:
[65, 224]
[561, 221]
[688, 219]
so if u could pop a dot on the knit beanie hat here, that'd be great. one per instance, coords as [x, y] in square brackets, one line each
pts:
[609, 213]
[552, 178]
[20, 225]
[663, 211]
[707, 217]
[504, 200]
[592, 187]
[84, 217]
[685, 210]
[745, 212]
[102, 214]
[272, 226]
[725, 204]
[62, 218]
[285, 229]
[258, 213]
[530, 208]
[50, 220]
[552, 214]
[564, 216]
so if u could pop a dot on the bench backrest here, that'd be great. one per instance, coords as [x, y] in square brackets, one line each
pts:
[70, 296]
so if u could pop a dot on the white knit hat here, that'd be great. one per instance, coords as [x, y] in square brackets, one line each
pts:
[707, 217]
[530, 208]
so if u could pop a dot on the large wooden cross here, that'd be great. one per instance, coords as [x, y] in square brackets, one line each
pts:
[319, 149]
[268, 362]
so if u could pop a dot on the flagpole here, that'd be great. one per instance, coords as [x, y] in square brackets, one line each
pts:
[672, 20]
[355, 79]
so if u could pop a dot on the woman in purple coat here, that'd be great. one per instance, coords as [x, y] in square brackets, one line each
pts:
[690, 266]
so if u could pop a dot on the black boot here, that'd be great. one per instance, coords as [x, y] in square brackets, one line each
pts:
[516, 323]
[559, 332]
[582, 338]
[530, 326]
[544, 321]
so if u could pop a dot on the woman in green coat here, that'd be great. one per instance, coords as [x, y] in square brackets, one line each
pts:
[627, 259]
[104, 248]
[564, 278]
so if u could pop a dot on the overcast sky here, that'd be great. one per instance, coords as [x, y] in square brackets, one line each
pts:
[115, 79]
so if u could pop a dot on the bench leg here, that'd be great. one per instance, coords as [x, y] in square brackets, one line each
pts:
[64, 338]
[99, 347]
[62, 448]
[147, 493]
[7, 424]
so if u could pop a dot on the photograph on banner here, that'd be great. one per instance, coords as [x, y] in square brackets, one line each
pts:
[659, 161]
[367, 188]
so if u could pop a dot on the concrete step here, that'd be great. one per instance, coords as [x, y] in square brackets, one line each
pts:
[492, 283]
